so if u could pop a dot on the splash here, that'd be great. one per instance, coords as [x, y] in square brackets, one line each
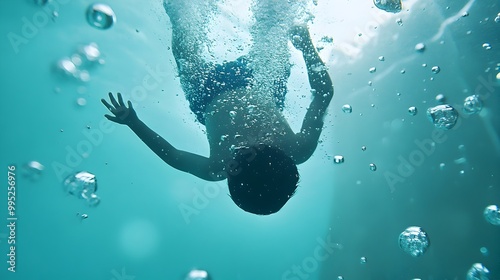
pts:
[191, 19]
[270, 34]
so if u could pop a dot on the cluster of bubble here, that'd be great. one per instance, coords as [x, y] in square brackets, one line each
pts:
[478, 272]
[392, 6]
[443, 116]
[197, 274]
[80, 62]
[83, 185]
[492, 215]
[414, 241]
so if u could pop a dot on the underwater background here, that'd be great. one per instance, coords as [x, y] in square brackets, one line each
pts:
[395, 169]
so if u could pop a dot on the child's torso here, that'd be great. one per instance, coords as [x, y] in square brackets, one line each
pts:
[243, 117]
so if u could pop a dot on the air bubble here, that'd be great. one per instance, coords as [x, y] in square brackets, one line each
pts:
[67, 67]
[440, 98]
[373, 167]
[363, 148]
[82, 185]
[347, 108]
[443, 116]
[76, 59]
[486, 46]
[414, 241]
[196, 274]
[391, 6]
[81, 101]
[492, 215]
[435, 69]
[100, 16]
[91, 52]
[338, 159]
[232, 114]
[472, 104]
[497, 18]
[420, 47]
[84, 76]
[484, 251]
[362, 260]
[381, 58]
[412, 110]
[372, 70]
[93, 200]
[399, 21]
[478, 272]
[33, 170]
[79, 183]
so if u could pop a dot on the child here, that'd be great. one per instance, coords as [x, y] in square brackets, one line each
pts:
[251, 143]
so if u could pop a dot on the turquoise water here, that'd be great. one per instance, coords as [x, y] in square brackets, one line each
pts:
[154, 222]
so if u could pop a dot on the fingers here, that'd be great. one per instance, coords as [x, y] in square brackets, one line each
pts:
[113, 100]
[110, 108]
[120, 100]
[113, 119]
[130, 105]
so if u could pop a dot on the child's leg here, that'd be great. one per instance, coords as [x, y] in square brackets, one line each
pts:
[200, 80]
[188, 36]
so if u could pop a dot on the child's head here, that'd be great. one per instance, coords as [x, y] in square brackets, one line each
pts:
[261, 179]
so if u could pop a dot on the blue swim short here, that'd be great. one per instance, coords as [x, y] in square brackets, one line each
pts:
[213, 79]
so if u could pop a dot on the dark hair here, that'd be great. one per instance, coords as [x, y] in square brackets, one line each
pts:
[261, 179]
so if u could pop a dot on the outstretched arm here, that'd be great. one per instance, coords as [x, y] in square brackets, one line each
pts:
[181, 160]
[322, 89]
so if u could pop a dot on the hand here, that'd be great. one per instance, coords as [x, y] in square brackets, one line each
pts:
[300, 37]
[123, 115]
